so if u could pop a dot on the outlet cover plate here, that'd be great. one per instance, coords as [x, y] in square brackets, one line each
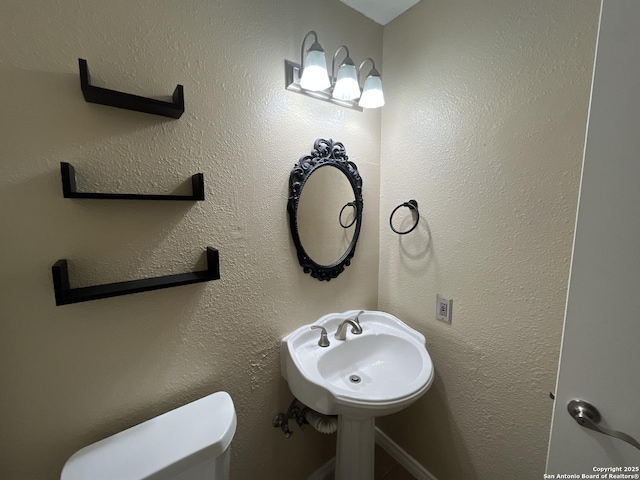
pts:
[444, 307]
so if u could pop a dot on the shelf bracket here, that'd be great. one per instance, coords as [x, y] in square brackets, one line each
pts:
[128, 101]
[65, 295]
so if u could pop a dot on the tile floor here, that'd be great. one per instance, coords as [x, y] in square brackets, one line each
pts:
[388, 469]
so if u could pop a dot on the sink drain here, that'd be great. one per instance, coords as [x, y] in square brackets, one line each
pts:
[355, 379]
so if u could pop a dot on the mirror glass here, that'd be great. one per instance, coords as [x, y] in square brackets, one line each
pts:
[325, 209]
[323, 197]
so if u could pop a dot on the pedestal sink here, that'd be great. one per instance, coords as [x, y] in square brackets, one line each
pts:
[378, 372]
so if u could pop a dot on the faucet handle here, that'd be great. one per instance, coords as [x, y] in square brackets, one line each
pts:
[324, 340]
[357, 320]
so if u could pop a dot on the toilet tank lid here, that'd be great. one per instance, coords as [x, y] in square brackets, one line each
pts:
[161, 447]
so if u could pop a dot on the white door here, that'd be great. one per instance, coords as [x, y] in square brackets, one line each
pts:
[600, 357]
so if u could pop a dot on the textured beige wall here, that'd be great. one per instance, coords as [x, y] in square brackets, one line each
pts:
[74, 374]
[484, 123]
[484, 126]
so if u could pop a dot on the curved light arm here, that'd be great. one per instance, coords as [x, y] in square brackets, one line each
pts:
[333, 62]
[315, 36]
[373, 68]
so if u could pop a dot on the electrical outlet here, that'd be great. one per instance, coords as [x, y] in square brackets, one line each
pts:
[444, 306]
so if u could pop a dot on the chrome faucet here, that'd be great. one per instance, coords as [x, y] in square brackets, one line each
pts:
[341, 333]
[357, 319]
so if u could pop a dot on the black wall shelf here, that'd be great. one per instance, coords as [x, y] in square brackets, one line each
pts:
[68, 174]
[66, 295]
[128, 101]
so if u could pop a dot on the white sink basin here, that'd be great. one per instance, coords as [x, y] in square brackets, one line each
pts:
[389, 360]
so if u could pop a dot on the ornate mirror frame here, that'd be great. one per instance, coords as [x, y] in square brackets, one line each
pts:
[325, 152]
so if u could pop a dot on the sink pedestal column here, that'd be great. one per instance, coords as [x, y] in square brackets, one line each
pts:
[355, 448]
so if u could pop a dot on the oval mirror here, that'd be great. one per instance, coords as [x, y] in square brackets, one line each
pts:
[325, 209]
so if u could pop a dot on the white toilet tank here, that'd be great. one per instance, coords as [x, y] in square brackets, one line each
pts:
[188, 443]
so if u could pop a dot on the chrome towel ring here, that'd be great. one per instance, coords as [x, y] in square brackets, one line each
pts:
[411, 205]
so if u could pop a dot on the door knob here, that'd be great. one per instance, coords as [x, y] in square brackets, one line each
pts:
[589, 417]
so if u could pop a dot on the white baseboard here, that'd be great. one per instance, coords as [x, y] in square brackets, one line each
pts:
[325, 472]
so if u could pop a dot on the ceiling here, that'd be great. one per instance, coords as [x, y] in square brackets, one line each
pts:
[381, 11]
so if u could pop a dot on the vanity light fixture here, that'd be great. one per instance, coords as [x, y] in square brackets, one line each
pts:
[347, 86]
[372, 95]
[314, 67]
[310, 78]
